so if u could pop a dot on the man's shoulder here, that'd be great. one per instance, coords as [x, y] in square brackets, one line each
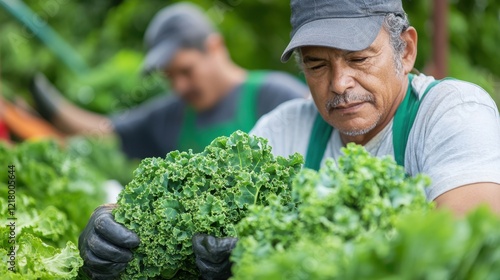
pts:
[291, 115]
[294, 109]
[273, 76]
[455, 137]
[288, 127]
[450, 92]
[277, 88]
[277, 82]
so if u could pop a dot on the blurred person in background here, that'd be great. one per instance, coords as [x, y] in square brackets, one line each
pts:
[212, 96]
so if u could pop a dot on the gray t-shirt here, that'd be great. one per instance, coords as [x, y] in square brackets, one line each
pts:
[153, 129]
[455, 138]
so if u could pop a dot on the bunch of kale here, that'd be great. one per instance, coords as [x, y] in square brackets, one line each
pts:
[171, 199]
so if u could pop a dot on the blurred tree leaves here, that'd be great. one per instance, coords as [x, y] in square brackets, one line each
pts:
[108, 34]
[474, 34]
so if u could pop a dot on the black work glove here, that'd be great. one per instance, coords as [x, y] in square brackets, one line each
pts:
[212, 256]
[105, 245]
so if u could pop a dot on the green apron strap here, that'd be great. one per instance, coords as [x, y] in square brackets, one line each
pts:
[188, 137]
[247, 110]
[320, 134]
[403, 122]
[404, 119]
[245, 117]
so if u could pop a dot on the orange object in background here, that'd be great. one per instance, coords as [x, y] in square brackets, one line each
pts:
[24, 124]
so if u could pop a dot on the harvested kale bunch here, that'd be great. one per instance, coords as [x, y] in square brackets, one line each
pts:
[171, 199]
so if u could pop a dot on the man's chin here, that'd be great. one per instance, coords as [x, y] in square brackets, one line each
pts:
[357, 126]
[356, 131]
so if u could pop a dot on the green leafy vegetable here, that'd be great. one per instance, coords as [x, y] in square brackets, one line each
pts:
[114, 85]
[39, 235]
[55, 194]
[171, 199]
[49, 224]
[37, 260]
[434, 245]
[53, 177]
[336, 206]
[104, 156]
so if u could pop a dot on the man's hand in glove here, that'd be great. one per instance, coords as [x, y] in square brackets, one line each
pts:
[212, 256]
[105, 245]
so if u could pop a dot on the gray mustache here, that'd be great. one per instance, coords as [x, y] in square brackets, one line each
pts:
[347, 98]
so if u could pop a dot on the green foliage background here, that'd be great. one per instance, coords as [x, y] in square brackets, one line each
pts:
[108, 34]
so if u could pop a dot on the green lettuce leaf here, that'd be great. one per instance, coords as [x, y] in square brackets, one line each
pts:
[37, 260]
[42, 249]
[53, 177]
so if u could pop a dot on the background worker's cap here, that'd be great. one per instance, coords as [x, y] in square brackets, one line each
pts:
[177, 26]
[341, 24]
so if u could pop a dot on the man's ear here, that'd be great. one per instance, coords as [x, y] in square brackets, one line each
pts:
[215, 43]
[410, 36]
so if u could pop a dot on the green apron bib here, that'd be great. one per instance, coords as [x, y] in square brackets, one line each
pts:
[401, 127]
[197, 139]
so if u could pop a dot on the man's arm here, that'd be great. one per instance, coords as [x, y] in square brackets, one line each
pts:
[456, 142]
[463, 199]
[66, 116]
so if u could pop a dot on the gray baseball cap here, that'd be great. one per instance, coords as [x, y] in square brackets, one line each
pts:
[341, 24]
[173, 27]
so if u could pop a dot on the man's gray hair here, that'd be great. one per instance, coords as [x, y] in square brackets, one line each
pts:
[395, 25]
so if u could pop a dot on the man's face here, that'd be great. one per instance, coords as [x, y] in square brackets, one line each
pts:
[354, 92]
[189, 73]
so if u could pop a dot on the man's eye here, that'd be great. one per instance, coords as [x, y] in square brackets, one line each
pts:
[358, 59]
[317, 67]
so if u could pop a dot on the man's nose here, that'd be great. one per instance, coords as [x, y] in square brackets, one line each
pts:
[341, 78]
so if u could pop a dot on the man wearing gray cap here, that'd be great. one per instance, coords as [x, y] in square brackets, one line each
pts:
[212, 95]
[357, 58]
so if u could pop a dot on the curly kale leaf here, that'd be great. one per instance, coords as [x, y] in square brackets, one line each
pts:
[171, 199]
